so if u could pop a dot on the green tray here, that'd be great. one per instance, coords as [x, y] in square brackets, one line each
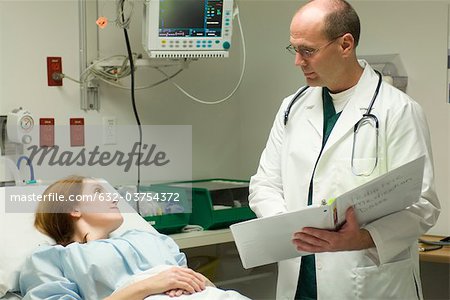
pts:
[168, 223]
[206, 194]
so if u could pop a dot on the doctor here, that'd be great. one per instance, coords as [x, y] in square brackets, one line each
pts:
[315, 152]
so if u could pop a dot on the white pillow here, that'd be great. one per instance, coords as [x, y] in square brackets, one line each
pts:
[19, 238]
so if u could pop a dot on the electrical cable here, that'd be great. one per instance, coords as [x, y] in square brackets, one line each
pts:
[122, 21]
[141, 87]
[436, 243]
[70, 78]
[429, 248]
[118, 73]
[191, 228]
[133, 102]
[236, 13]
[92, 72]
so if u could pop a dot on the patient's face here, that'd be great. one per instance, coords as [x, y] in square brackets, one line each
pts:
[99, 208]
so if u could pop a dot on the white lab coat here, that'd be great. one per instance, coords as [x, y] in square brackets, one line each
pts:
[391, 270]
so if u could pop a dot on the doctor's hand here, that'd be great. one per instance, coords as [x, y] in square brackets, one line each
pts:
[349, 237]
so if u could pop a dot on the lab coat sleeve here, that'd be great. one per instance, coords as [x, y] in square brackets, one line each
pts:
[407, 138]
[42, 278]
[266, 188]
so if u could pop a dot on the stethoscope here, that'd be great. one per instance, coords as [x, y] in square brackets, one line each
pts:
[367, 118]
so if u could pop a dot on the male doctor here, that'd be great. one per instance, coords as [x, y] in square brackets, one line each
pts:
[310, 158]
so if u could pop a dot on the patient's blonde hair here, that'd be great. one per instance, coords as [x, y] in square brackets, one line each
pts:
[53, 217]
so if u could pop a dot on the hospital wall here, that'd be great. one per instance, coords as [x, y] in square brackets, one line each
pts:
[227, 138]
[33, 30]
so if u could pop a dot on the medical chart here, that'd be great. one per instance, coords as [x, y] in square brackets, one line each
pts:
[269, 239]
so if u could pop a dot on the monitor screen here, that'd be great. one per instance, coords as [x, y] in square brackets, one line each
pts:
[187, 28]
[190, 18]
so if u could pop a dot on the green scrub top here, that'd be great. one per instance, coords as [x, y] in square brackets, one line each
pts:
[307, 285]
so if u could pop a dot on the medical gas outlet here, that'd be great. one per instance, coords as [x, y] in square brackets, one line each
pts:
[19, 126]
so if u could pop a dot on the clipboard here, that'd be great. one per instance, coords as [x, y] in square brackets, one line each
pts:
[269, 239]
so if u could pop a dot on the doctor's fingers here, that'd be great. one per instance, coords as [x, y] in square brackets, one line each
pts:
[303, 238]
[351, 220]
[305, 247]
[314, 236]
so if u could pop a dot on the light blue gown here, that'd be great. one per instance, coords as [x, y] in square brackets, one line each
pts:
[95, 269]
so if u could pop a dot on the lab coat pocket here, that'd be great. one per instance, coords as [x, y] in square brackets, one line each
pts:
[388, 281]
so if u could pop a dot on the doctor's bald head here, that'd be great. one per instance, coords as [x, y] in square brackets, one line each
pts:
[323, 37]
[337, 16]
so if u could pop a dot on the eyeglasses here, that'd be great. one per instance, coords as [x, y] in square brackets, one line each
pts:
[309, 52]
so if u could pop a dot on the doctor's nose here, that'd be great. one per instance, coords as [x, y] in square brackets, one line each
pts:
[299, 60]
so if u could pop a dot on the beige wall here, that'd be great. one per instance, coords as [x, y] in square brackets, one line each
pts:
[32, 30]
[227, 138]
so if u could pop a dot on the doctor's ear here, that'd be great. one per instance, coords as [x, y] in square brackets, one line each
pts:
[347, 44]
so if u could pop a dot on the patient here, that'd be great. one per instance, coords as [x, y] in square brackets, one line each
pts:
[87, 264]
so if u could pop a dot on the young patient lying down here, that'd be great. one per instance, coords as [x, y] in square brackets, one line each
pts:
[86, 263]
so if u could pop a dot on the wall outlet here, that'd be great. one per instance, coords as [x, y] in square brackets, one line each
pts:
[109, 130]
[54, 69]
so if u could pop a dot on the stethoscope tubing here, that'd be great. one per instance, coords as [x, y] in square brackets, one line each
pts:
[367, 115]
[295, 99]
[300, 93]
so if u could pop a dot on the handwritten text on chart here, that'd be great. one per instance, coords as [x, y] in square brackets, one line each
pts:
[371, 198]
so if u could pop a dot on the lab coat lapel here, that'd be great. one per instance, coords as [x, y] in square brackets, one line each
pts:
[355, 108]
[315, 111]
[349, 116]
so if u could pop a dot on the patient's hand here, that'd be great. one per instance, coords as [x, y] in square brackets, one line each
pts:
[179, 292]
[174, 281]
[176, 293]
[177, 280]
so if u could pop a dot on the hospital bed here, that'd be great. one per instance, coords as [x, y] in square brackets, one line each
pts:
[19, 238]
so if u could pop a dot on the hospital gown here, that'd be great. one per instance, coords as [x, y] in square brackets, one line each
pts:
[96, 269]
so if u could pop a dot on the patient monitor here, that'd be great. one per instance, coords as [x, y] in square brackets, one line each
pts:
[187, 28]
